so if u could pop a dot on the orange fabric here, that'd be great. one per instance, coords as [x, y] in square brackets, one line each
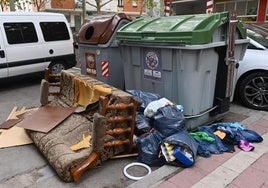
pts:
[84, 143]
[86, 93]
[220, 134]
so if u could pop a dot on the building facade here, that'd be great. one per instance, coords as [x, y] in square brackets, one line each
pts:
[247, 10]
[72, 9]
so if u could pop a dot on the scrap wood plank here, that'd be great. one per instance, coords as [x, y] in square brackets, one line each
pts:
[9, 123]
[11, 114]
[46, 118]
[15, 136]
[14, 117]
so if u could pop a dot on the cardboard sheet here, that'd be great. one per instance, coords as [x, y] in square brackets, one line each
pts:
[46, 118]
[14, 136]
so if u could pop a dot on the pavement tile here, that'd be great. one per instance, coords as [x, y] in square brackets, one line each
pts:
[239, 162]
[212, 162]
[232, 185]
[188, 177]
[234, 117]
[252, 177]
[262, 163]
[168, 184]
[265, 140]
[202, 185]
[254, 117]
[259, 150]
[240, 109]
[220, 177]
[262, 122]
[207, 164]
[259, 129]
[223, 156]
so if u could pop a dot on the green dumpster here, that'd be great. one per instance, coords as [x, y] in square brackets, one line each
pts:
[182, 58]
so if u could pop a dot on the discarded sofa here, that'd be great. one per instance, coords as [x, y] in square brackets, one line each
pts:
[109, 121]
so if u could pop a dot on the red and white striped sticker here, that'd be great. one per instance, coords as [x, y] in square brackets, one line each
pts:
[209, 8]
[167, 7]
[105, 68]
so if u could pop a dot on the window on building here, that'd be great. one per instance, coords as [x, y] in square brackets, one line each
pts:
[240, 8]
[246, 9]
[54, 31]
[219, 7]
[18, 33]
[230, 6]
[120, 3]
[134, 3]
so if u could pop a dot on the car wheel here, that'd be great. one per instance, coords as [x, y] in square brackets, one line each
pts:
[57, 67]
[253, 91]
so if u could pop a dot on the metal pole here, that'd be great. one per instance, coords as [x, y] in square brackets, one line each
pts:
[230, 59]
[83, 10]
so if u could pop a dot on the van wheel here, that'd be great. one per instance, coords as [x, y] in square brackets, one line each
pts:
[57, 67]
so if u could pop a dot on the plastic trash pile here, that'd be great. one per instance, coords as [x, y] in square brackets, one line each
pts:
[161, 136]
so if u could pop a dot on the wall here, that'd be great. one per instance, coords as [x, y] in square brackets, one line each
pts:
[128, 6]
[64, 4]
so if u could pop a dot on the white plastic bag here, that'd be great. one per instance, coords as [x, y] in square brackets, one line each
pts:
[153, 106]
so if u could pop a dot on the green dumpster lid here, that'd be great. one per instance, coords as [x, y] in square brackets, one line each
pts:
[182, 29]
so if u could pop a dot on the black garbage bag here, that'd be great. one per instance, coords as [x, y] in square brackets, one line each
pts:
[168, 120]
[148, 147]
[184, 149]
[145, 97]
[142, 124]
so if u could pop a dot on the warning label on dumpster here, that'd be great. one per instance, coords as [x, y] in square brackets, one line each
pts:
[152, 64]
[91, 64]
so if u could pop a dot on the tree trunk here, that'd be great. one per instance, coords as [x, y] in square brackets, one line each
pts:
[12, 5]
[98, 7]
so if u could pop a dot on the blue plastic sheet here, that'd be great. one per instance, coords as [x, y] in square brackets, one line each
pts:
[145, 97]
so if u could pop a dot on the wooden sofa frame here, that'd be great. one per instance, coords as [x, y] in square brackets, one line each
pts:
[118, 119]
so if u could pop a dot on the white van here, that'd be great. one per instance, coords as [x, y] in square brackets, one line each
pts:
[33, 41]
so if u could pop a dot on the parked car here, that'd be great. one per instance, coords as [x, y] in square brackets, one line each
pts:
[251, 80]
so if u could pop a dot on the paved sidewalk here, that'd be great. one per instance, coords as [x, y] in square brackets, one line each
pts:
[233, 170]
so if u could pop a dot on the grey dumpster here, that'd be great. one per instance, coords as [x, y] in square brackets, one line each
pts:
[98, 49]
[182, 58]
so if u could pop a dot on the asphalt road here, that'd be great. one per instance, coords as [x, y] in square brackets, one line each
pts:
[20, 91]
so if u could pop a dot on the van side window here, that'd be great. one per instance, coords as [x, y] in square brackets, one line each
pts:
[54, 31]
[18, 33]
